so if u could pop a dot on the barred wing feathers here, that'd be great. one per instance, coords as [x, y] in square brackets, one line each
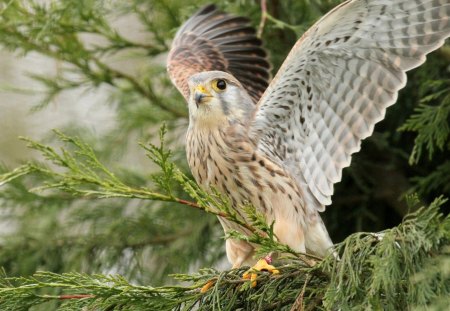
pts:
[213, 40]
[337, 82]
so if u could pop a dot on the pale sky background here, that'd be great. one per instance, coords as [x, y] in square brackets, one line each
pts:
[87, 109]
[16, 117]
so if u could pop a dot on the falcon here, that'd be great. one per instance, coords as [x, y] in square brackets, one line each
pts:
[282, 146]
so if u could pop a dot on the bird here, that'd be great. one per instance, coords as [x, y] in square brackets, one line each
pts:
[281, 144]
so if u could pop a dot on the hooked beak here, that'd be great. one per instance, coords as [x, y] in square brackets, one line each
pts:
[201, 95]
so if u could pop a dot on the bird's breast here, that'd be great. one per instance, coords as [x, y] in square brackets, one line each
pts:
[231, 165]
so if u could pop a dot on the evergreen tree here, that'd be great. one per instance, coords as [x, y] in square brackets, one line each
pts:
[107, 231]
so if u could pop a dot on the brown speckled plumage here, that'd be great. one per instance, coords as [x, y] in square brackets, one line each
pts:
[213, 40]
[224, 157]
[284, 154]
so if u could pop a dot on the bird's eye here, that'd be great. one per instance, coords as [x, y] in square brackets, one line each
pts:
[219, 85]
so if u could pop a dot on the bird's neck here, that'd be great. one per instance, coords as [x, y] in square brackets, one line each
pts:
[228, 129]
[209, 122]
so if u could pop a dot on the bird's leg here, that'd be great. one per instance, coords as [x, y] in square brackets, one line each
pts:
[264, 264]
[236, 265]
[240, 255]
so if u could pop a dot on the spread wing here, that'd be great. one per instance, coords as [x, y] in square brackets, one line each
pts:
[337, 82]
[213, 40]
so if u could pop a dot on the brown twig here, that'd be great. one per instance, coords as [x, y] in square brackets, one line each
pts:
[76, 296]
[220, 214]
[298, 304]
[262, 22]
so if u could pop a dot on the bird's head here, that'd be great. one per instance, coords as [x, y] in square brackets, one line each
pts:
[217, 97]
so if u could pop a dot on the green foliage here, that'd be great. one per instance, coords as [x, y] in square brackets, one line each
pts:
[84, 206]
[437, 180]
[25, 26]
[79, 173]
[414, 271]
[381, 270]
[431, 122]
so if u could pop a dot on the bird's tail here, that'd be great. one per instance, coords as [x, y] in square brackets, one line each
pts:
[317, 239]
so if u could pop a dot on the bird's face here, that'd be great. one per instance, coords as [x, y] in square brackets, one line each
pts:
[217, 97]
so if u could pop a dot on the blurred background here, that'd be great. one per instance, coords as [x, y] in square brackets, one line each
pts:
[96, 70]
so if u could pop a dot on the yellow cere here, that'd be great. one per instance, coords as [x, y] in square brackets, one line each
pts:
[202, 89]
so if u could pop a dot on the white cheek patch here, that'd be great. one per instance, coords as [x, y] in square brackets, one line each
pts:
[230, 105]
[233, 105]
[210, 112]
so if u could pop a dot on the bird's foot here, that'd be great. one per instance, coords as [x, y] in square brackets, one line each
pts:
[263, 264]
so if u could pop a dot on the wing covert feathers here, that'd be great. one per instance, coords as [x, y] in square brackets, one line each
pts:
[213, 40]
[337, 82]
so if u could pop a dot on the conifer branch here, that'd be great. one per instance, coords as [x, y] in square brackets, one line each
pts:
[430, 120]
[390, 266]
[62, 42]
[84, 175]
[405, 267]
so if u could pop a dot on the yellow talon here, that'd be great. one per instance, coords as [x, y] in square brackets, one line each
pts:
[261, 265]
[207, 286]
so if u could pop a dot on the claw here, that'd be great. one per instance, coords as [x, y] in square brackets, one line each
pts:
[261, 265]
[207, 286]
